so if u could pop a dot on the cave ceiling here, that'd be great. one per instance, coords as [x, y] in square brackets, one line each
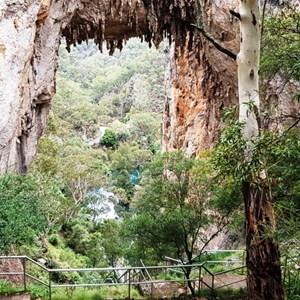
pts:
[114, 22]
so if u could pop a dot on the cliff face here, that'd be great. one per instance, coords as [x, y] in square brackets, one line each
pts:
[29, 39]
[30, 33]
[200, 82]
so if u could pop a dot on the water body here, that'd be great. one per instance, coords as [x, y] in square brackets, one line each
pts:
[103, 208]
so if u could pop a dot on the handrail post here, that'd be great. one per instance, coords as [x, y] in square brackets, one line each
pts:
[285, 265]
[212, 286]
[129, 284]
[199, 282]
[24, 274]
[166, 269]
[151, 290]
[49, 286]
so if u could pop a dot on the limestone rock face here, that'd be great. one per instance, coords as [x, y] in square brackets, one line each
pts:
[30, 33]
[29, 38]
[200, 82]
[200, 79]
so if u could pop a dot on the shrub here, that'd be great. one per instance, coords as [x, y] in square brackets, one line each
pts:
[109, 139]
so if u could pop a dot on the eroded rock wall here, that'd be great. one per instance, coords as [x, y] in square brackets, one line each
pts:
[16, 47]
[30, 33]
[201, 81]
[29, 39]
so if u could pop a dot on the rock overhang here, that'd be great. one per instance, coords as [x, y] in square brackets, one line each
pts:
[114, 22]
[198, 80]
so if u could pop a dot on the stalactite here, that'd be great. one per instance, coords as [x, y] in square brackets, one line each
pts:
[151, 19]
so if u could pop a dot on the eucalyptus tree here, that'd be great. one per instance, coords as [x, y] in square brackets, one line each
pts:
[263, 258]
[242, 157]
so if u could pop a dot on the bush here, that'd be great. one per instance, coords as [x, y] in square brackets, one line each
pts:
[109, 139]
[54, 239]
[22, 211]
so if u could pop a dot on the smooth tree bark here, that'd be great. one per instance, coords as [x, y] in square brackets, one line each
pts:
[248, 66]
[264, 279]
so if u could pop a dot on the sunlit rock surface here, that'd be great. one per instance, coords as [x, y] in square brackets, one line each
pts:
[200, 82]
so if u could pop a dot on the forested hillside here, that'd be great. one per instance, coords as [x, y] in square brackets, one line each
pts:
[108, 108]
[105, 125]
[103, 129]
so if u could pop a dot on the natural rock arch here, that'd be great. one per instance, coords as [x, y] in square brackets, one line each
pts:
[200, 80]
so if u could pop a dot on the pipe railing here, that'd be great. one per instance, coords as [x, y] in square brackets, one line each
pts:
[129, 277]
[291, 275]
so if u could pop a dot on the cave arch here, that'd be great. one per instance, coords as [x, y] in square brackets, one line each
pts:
[199, 79]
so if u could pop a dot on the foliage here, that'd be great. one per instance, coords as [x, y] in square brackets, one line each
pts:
[170, 209]
[111, 242]
[22, 211]
[143, 125]
[109, 139]
[62, 256]
[276, 154]
[95, 294]
[70, 169]
[285, 172]
[48, 159]
[73, 106]
[124, 161]
[229, 155]
[98, 243]
[280, 45]
[121, 130]
[293, 285]
[7, 288]
[218, 258]
[227, 198]
[40, 292]
[241, 159]
[97, 88]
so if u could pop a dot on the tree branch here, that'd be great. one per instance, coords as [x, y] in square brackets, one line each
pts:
[297, 118]
[235, 14]
[214, 42]
[263, 18]
[213, 236]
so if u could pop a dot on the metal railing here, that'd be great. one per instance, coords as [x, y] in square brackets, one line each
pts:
[130, 276]
[291, 275]
[205, 262]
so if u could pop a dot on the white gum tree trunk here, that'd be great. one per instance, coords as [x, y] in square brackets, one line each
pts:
[248, 65]
[264, 280]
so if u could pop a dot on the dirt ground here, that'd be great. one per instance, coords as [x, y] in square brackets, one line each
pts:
[16, 297]
[229, 280]
[168, 290]
[11, 265]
